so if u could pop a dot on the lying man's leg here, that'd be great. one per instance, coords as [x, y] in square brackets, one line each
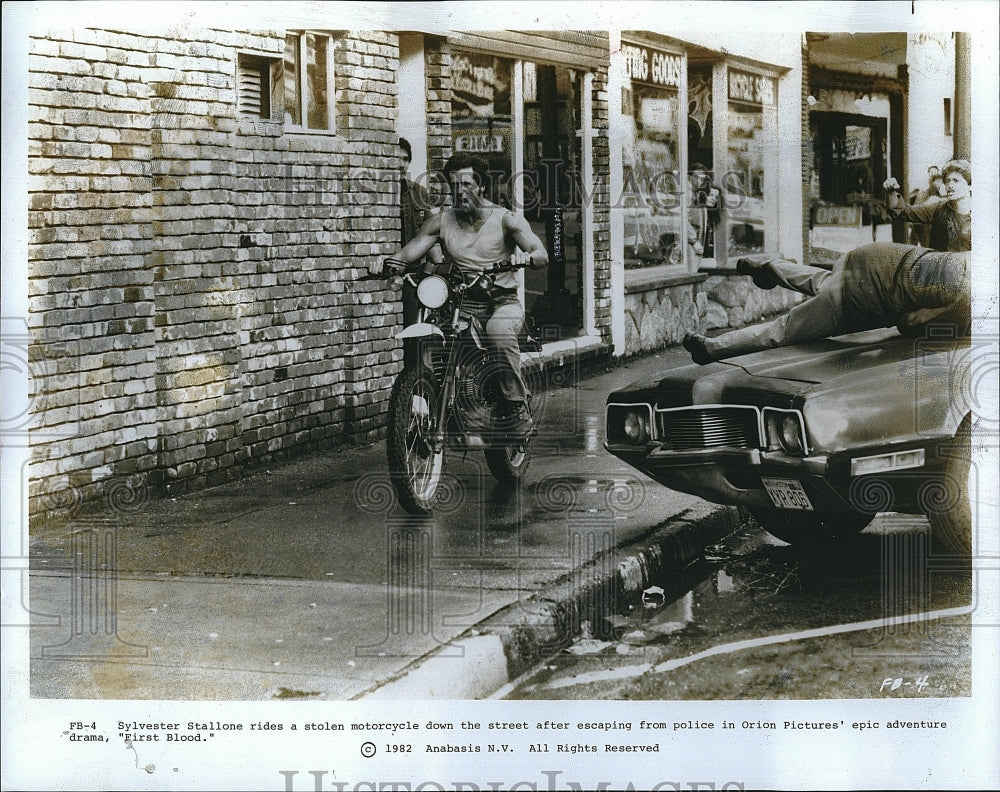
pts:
[768, 272]
[818, 317]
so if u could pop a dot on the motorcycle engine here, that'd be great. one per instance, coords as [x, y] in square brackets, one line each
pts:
[473, 406]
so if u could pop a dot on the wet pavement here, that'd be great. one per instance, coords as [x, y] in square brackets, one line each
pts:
[306, 579]
[760, 619]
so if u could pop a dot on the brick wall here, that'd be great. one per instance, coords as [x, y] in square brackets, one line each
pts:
[807, 154]
[199, 266]
[437, 66]
[191, 270]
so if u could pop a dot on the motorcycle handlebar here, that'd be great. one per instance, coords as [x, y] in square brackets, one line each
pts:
[507, 266]
[391, 267]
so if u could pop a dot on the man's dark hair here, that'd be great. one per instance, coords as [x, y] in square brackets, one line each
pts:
[405, 145]
[462, 160]
[960, 166]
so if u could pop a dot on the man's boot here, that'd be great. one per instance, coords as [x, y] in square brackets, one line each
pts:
[515, 420]
[695, 344]
[757, 267]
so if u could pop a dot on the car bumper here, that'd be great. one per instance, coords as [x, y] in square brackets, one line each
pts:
[735, 476]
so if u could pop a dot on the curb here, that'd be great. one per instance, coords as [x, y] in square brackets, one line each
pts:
[511, 641]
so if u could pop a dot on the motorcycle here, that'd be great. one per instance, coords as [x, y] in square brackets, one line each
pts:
[449, 398]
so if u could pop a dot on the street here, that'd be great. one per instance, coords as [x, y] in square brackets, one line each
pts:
[758, 619]
[305, 580]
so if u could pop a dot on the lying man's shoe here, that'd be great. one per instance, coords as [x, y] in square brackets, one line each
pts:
[758, 267]
[515, 420]
[695, 344]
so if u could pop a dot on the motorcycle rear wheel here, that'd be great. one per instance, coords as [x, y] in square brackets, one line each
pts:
[508, 463]
[414, 467]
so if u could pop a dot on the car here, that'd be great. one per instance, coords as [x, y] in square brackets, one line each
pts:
[814, 439]
[652, 236]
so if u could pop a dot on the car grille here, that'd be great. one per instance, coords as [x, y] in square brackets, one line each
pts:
[709, 427]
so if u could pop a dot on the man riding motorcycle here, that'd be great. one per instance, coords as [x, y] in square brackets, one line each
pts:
[476, 234]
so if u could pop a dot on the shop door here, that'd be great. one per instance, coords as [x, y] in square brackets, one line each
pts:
[850, 155]
[553, 197]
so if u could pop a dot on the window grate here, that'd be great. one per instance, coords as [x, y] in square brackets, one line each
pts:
[254, 86]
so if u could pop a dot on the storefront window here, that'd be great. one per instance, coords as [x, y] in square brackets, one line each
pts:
[553, 199]
[752, 160]
[482, 116]
[484, 94]
[651, 164]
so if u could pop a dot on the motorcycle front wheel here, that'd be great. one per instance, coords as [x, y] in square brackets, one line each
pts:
[415, 468]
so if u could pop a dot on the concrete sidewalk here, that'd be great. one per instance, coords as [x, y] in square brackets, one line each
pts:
[285, 584]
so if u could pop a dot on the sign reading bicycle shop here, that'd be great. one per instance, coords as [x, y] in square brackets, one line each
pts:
[652, 66]
[754, 89]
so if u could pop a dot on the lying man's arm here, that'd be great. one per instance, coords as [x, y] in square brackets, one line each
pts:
[957, 314]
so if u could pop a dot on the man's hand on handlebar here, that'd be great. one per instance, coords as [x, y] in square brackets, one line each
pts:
[520, 258]
[385, 267]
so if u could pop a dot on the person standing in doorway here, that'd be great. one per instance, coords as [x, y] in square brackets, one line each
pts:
[706, 203]
[415, 206]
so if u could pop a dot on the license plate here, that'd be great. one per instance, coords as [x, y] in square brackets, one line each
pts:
[787, 493]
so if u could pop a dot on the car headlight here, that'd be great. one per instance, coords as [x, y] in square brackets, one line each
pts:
[785, 431]
[635, 427]
[629, 424]
[791, 435]
[432, 291]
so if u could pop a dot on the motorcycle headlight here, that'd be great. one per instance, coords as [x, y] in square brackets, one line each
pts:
[432, 291]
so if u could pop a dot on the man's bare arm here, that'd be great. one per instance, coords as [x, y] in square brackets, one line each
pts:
[416, 248]
[519, 229]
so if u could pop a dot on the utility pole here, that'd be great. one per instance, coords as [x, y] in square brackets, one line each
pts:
[961, 139]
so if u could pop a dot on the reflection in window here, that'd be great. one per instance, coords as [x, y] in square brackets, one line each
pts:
[316, 81]
[481, 115]
[293, 115]
[650, 164]
[744, 182]
[307, 75]
[751, 169]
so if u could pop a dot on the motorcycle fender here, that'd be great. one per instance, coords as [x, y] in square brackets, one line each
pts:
[419, 330]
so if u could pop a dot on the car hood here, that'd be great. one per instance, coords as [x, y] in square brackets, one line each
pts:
[793, 369]
[821, 361]
[853, 389]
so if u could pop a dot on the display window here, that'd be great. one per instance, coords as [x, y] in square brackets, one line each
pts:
[525, 118]
[655, 229]
[750, 178]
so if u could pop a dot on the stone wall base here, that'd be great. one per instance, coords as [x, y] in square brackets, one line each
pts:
[658, 312]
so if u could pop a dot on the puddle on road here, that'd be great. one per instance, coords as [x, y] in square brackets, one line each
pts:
[748, 587]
